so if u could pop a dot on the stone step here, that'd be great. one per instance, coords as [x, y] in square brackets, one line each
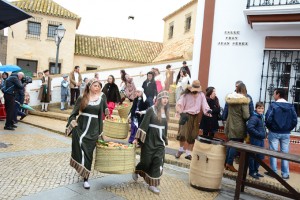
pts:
[174, 120]
[172, 134]
[173, 126]
[56, 113]
[55, 125]
[51, 114]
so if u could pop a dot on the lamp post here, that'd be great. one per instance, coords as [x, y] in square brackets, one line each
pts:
[59, 35]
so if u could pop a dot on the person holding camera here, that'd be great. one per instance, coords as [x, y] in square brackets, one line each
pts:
[12, 85]
[45, 91]
[188, 106]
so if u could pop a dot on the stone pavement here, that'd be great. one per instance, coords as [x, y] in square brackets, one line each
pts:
[35, 165]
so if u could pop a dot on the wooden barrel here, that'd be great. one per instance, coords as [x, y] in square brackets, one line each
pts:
[207, 165]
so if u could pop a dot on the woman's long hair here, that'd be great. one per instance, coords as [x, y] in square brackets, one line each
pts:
[85, 97]
[123, 74]
[158, 107]
[209, 91]
[241, 89]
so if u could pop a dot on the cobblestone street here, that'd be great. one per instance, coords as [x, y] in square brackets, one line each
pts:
[35, 165]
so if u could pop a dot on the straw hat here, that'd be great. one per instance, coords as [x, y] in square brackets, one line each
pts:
[195, 87]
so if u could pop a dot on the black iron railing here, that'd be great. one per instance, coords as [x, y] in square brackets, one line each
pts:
[256, 3]
[281, 69]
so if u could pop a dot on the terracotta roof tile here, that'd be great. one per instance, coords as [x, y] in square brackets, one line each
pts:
[138, 51]
[46, 7]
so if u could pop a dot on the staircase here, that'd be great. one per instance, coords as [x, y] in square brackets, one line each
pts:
[58, 116]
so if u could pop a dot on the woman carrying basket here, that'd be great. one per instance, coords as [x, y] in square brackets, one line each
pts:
[85, 131]
[152, 133]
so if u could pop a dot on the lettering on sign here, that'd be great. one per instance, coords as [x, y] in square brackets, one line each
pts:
[232, 39]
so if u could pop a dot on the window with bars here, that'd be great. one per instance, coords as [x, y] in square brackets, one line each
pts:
[171, 30]
[51, 31]
[188, 21]
[34, 29]
[281, 69]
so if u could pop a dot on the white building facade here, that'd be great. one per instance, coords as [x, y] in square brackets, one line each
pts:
[256, 41]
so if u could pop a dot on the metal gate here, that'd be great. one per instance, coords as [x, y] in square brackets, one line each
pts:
[281, 69]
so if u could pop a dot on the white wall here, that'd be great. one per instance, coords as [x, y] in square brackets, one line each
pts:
[33, 88]
[232, 63]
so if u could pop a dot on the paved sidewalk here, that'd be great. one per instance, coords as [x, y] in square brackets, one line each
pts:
[35, 165]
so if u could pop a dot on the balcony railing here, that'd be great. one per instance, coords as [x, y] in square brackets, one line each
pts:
[257, 3]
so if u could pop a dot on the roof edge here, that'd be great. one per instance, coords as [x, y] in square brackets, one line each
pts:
[180, 9]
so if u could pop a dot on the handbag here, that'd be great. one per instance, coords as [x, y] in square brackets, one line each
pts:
[183, 118]
[69, 128]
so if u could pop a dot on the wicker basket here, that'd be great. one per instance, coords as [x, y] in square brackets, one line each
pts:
[172, 88]
[123, 111]
[114, 160]
[115, 129]
[172, 98]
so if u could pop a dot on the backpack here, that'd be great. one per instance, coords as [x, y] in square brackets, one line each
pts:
[279, 119]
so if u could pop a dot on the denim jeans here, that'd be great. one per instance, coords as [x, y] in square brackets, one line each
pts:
[284, 141]
[231, 152]
[253, 165]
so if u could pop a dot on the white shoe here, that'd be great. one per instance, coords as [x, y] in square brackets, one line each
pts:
[86, 185]
[135, 176]
[154, 189]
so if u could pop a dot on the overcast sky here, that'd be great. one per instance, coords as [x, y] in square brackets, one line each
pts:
[110, 17]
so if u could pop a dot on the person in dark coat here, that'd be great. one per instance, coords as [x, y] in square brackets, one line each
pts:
[12, 85]
[137, 112]
[150, 89]
[186, 68]
[257, 131]
[19, 101]
[210, 125]
[112, 94]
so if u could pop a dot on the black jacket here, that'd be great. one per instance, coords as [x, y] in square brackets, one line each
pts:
[141, 107]
[209, 124]
[111, 92]
[12, 85]
[150, 89]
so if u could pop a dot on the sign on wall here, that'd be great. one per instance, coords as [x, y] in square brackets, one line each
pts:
[232, 38]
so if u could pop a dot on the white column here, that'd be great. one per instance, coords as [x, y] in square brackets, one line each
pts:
[197, 40]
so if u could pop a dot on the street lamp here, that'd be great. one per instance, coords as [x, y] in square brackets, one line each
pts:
[59, 35]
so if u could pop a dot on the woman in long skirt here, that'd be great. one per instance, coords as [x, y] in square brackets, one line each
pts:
[91, 105]
[152, 133]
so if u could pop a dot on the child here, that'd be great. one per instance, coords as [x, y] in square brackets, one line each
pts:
[257, 131]
[64, 91]
[138, 109]
[26, 101]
